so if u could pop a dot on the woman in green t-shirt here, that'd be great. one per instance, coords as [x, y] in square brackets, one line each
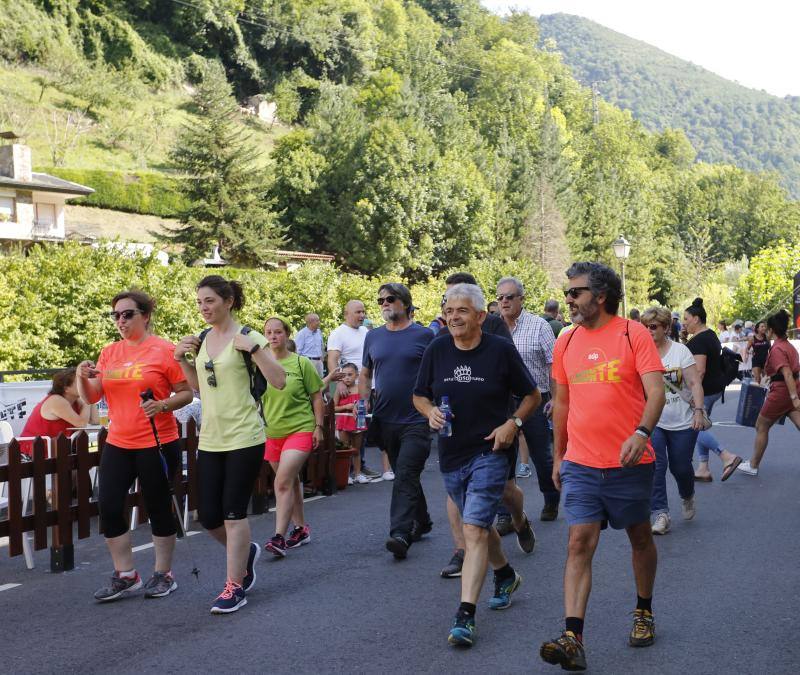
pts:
[232, 433]
[294, 417]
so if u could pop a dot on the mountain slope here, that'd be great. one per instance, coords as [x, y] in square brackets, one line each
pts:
[725, 121]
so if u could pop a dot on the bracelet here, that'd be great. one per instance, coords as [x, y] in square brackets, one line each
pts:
[644, 432]
[321, 426]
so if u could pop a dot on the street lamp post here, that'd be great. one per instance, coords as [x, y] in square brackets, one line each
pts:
[622, 249]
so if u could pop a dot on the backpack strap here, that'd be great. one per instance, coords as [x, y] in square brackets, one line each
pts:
[251, 371]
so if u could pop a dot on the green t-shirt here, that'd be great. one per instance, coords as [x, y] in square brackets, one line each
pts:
[230, 415]
[288, 410]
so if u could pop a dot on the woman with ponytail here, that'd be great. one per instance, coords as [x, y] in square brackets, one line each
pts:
[783, 368]
[706, 348]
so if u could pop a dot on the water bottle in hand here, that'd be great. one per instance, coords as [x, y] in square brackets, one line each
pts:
[361, 414]
[444, 408]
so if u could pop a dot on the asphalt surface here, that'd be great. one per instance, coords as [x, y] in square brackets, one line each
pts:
[725, 599]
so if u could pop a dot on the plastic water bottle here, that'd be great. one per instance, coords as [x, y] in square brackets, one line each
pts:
[361, 414]
[444, 408]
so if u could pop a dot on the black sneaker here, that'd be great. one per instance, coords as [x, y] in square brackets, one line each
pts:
[119, 587]
[453, 568]
[549, 512]
[417, 530]
[398, 546]
[504, 525]
[250, 576]
[160, 585]
[526, 539]
[566, 651]
[230, 600]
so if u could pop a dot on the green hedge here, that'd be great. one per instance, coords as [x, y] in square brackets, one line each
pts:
[143, 192]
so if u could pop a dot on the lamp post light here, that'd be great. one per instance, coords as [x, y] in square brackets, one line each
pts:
[622, 249]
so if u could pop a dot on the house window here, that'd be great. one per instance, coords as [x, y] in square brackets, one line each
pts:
[7, 210]
[46, 215]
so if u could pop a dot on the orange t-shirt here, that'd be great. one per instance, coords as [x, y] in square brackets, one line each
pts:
[126, 371]
[606, 399]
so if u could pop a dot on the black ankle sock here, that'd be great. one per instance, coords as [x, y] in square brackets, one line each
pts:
[575, 625]
[644, 603]
[466, 609]
[504, 572]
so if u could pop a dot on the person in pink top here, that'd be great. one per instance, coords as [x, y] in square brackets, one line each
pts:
[346, 399]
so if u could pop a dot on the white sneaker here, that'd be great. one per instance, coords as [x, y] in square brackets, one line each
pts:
[349, 480]
[661, 524]
[361, 479]
[745, 467]
[688, 508]
[388, 475]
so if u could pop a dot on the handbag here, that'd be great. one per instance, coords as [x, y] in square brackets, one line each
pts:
[686, 396]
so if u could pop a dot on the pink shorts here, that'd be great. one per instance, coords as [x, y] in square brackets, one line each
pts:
[302, 440]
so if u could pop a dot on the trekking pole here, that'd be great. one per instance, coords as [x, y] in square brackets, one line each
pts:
[147, 395]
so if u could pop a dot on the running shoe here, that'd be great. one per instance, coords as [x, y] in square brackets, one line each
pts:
[453, 568]
[369, 473]
[526, 539]
[661, 524]
[387, 475]
[503, 590]
[230, 600]
[250, 575]
[688, 508]
[504, 525]
[160, 585]
[350, 480]
[299, 536]
[523, 471]
[361, 479]
[745, 467]
[565, 651]
[549, 512]
[398, 546]
[276, 546]
[644, 629]
[119, 587]
[417, 530]
[462, 634]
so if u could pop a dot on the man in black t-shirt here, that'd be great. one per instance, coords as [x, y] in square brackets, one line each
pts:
[478, 373]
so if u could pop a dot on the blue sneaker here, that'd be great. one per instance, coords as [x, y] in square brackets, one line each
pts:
[462, 634]
[230, 600]
[503, 590]
[523, 471]
[250, 577]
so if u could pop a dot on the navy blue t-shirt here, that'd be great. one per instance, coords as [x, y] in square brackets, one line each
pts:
[394, 356]
[479, 382]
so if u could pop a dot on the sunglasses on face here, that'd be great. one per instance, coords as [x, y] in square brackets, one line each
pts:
[389, 299]
[212, 378]
[126, 314]
[575, 291]
[507, 296]
[654, 326]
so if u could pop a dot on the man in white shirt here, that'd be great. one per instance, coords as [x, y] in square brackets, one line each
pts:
[309, 341]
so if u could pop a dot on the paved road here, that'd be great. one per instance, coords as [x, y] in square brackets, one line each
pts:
[725, 602]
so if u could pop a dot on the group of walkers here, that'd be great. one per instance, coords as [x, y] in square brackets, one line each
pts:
[625, 399]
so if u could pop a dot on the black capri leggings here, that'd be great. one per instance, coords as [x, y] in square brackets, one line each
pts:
[225, 481]
[119, 467]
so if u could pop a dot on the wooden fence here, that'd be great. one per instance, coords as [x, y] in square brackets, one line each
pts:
[59, 491]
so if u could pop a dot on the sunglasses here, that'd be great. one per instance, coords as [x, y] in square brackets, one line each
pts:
[388, 299]
[507, 296]
[575, 291]
[654, 326]
[127, 314]
[212, 378]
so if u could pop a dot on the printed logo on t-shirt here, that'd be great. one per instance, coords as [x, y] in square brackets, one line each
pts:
[128, 371]
[597, 368]
[463, 374]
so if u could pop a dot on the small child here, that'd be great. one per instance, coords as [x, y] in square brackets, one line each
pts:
[345, 402]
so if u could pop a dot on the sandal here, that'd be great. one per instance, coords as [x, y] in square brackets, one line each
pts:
[730, 468]
[703, 479]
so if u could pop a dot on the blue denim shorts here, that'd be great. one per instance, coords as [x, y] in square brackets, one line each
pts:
[477, 487]
[619, 496]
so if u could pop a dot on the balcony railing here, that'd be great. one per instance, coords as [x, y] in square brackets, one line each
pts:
[45, 229]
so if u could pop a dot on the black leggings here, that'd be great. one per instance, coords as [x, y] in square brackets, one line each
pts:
[119, 468]
[225, 481]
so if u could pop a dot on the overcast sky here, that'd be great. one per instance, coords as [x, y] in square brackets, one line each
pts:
[753, 43]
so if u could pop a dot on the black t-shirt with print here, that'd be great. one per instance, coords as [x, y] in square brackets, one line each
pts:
[706, 343]
[479, 382]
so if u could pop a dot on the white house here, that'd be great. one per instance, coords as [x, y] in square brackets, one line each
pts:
[32, 204]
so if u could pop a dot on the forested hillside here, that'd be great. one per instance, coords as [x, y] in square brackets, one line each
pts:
[419, 137]
[725, 121]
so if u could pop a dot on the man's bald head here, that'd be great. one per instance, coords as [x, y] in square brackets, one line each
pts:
[354, 313]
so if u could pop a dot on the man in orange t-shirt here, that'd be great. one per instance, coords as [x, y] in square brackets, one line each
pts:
[608, 398]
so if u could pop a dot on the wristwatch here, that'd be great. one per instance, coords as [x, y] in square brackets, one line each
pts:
[644, 432]
[164, 407]
[517, 422]
[255, 348]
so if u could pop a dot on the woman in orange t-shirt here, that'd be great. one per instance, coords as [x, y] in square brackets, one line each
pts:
[125, 369]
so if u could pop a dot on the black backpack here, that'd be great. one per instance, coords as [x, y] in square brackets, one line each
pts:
[258, 383]
[730, 361]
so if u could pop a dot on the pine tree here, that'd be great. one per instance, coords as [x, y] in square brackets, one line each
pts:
[224, 187]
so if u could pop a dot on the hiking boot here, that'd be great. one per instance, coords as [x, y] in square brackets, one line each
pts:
[250, 575]
[417, 530]
[565, 651]
[453, 568]
[462, 634]
[526, 539]
[523, 471]
[503, 590]
[299, 536]
[160, 585]
[661, 524]
[504, 525]
[644, 629]
[549, 512]
[276, 546]
[230, 600]
[688, 508]
[398, 546]
[119, 587]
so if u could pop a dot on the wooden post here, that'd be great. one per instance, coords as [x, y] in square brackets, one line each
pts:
[14, 499]
[62, 551]
[39, 495]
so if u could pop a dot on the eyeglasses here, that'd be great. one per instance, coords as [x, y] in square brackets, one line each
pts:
[127, 314]
[388, 299]
[575, 291]
[507, 296]
[212, 378]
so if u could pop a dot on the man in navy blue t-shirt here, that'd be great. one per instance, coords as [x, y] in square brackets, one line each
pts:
[392, 354]
[478, 373]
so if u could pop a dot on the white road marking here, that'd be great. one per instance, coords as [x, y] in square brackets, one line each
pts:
[8, 587]
[150, 545]
[305, 501]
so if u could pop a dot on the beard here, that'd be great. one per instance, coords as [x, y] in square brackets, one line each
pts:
[393, 315]
[587, 312]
